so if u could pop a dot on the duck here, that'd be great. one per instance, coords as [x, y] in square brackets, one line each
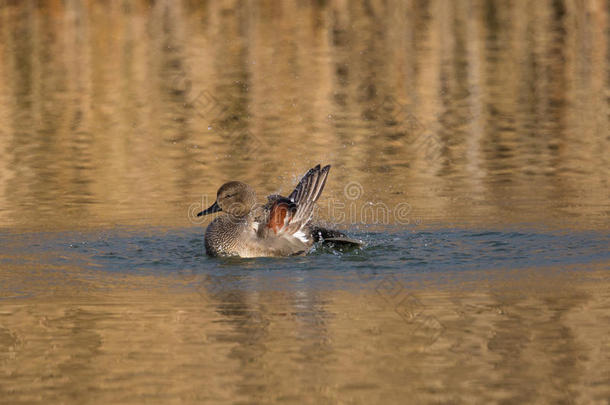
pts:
[283, 226]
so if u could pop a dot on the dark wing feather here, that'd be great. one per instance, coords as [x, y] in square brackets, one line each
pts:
[289, 215]
[305, 195]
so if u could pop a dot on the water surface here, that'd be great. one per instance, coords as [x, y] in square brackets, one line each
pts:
[470, 150]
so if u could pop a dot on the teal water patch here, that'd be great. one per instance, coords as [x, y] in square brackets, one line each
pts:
[172, 251]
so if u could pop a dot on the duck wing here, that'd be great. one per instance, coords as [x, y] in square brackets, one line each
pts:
[288, 215]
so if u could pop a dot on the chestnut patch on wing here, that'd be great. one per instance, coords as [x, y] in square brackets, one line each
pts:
[281, 213]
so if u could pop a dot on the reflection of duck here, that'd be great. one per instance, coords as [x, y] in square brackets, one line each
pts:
[282, 227]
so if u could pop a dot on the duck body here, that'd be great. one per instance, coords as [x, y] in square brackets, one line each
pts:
[226, 236]
[281, 227]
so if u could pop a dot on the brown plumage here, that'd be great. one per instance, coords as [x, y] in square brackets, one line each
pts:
[282, 227]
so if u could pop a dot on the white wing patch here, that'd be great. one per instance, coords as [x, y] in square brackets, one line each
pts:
[300, 235]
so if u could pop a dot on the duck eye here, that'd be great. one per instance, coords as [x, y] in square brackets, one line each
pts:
[228, 195]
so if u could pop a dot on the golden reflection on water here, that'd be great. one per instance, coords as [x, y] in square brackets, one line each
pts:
[137, 338]
[482, 113]
[470, 112]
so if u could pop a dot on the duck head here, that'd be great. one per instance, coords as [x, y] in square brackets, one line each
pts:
[235, 198]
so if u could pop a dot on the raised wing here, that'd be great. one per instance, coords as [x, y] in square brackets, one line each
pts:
[290, 215]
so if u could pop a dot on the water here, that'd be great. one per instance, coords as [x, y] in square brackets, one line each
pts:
[470, 150]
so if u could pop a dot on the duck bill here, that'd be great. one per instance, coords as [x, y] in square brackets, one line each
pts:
[214, 208]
